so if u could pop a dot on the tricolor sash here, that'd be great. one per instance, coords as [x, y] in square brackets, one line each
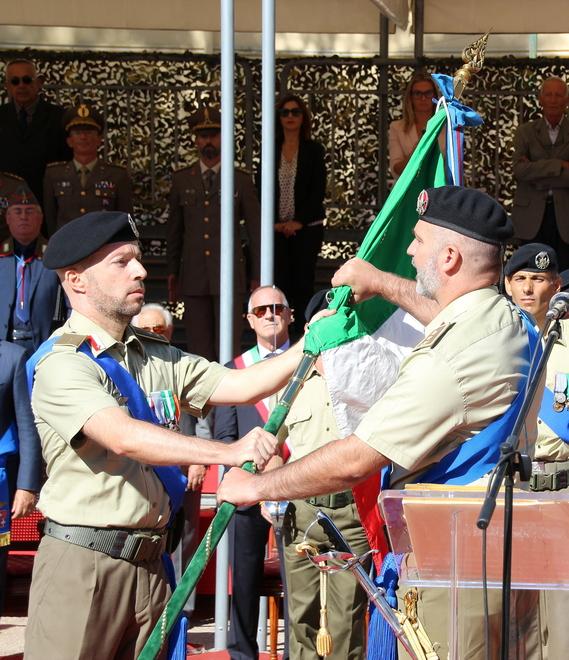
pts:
[250, 357]
[8, 445]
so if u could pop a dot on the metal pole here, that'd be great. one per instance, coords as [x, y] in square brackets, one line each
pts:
[268, 143]
[383, 112]
[419, 21]
[227, 252]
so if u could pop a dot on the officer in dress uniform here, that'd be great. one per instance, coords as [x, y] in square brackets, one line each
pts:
[30, 292]
[8, 184]
[85, 183]
[194, 238]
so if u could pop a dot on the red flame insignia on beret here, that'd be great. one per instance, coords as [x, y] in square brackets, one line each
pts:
[422, 202]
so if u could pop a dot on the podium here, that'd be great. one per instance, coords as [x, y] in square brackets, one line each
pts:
[435, 528]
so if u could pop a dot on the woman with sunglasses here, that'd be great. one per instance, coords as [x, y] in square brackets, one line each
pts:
[418, 108]
[299, 208]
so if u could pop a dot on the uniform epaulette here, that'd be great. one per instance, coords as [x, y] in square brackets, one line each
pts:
[59, 162]
[149, 335]
[432, 339]
[70, 339]
[122, 167]
[5, 248]
[244, 171]
[12, 176]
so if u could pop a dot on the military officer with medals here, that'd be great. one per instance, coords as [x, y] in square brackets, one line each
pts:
[8, 185]
[30, 297]
[449, 392]
[194, 232]
[85, 183]
[98, 585]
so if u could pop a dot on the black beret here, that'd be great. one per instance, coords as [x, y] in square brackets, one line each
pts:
[205, 119]
[318, 302]
[81, 237]
[534, 258]
[467, 211]
[84, 116]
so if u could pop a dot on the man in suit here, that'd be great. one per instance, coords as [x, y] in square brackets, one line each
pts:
[31, 128]
[20, 451]
[30, 291]
[85, 183]
[541, 169]
[269, 316]
[194, 231]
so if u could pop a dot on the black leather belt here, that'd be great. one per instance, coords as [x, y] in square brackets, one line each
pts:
[333, 501]
[133, 545]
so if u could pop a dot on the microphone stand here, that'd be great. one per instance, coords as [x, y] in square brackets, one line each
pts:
[510, 462]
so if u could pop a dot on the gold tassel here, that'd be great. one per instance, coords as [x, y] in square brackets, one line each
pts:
[324, 643]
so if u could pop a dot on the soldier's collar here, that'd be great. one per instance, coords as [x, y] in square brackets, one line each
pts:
[99, 339]
[460, 305]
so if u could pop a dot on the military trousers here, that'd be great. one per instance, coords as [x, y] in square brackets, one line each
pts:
[85, 604]
[347, 600]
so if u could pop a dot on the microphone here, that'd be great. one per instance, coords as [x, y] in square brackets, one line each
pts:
[558, 306]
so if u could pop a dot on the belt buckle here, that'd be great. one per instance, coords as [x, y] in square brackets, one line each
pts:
[147, 547]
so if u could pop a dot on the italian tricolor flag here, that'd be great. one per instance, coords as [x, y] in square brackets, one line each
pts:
[363, 344]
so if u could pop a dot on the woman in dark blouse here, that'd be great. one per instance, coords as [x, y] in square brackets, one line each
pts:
[299, 213]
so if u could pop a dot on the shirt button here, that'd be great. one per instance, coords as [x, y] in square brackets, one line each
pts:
[327, 428]
[206, 219]
[207, 253]
[206, 202]
[153, 505]
[83, 193]
[206, 236]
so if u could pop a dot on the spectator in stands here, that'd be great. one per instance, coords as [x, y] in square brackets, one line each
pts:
[418, 108]
[86, 183]
[31, 129]
[299, 210]
[194, 238]
[20, 451]
[155, 318]
[541, 170]
[30, 293]
[8, 184]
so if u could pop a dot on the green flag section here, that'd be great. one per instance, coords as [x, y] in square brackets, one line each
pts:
[385, 245]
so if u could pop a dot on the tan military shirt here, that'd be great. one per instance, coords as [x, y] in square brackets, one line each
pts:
[88, 484]
[549, 447]
[310, 423]
[461, 377]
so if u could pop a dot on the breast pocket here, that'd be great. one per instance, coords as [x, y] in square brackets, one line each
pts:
[189, 197]
[63, 188]
[298, 416]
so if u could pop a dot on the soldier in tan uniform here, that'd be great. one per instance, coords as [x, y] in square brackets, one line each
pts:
[456, 382]
[194, 233]
[98, 584]
[86, 183]
[532, 279]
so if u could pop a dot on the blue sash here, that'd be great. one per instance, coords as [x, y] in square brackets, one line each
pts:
[473, 459]
[558, 422]
[172, 479]
[8, 445]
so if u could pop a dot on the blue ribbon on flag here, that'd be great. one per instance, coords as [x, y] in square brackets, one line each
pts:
[460, 115]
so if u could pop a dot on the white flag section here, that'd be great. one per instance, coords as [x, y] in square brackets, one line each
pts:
[370, 366]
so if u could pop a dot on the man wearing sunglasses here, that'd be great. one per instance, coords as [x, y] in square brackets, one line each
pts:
[269, 316]
[31, 129]
[194, 231]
